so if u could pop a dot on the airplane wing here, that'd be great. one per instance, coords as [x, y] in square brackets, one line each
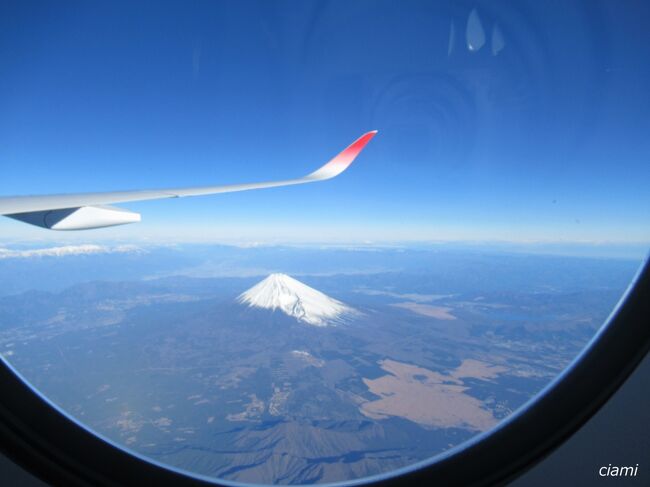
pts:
[89, 210]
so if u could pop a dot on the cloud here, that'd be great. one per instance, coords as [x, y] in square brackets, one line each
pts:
[67, 250]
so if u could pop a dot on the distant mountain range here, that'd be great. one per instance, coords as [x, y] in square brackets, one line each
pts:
[292, 297]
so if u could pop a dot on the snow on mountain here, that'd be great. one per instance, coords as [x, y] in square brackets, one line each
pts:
[279, 291]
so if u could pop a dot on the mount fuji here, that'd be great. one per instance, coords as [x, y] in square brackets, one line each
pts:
[292, 297]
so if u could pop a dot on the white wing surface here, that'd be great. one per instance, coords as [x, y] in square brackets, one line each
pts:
[82, 211]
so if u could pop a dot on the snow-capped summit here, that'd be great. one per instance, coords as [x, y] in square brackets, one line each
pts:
[279, 291]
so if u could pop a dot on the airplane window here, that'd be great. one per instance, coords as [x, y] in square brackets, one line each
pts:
[307, 242]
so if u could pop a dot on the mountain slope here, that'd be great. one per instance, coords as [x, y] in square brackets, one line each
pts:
[292, 297]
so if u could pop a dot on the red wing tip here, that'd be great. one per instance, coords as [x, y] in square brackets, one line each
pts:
[361, 142]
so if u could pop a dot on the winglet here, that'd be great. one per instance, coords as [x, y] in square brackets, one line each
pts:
[341, 162]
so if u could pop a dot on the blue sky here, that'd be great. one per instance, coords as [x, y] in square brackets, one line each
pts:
[542, 136]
